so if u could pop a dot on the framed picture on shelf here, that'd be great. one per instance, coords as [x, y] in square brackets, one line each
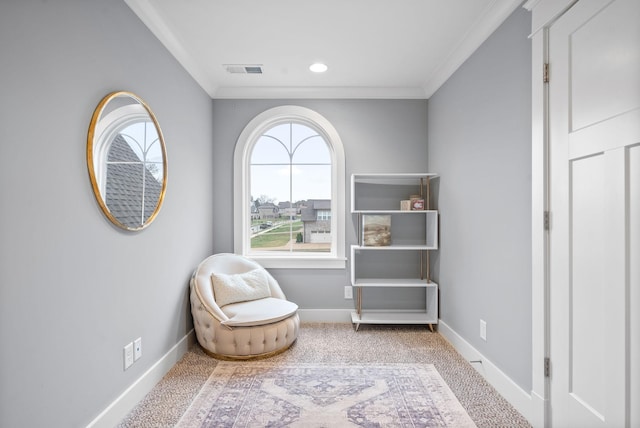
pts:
[376, 230]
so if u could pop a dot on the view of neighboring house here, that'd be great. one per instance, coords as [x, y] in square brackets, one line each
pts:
[289, 210]
[268, 211]
[316, 218]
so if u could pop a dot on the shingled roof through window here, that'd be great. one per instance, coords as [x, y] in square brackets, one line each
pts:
[124, 185]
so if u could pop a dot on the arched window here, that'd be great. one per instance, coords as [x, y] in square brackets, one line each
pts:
[289, 190]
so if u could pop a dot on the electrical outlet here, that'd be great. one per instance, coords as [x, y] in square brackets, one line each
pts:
[348, 292]
[483, 330]
[137, 349]
[128, 355]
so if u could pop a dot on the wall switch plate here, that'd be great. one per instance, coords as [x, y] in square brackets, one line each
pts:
[128, 355]
[483, 330]
[348, 292]
[137, 349]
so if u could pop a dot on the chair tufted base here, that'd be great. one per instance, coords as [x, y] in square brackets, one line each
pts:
[241, 343]
[245, 357]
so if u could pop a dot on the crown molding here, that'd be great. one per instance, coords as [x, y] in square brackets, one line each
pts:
[492, 17]
[318, 92]
[150, 17]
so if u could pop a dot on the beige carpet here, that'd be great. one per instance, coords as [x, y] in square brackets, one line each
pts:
[338, 344]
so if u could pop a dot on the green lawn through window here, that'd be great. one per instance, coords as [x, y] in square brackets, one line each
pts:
[278, 236]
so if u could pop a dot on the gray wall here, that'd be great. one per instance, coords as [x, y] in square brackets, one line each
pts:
[378, 136]
[480, 143]
[73, 288]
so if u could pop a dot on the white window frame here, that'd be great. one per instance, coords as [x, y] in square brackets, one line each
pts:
[241, 185]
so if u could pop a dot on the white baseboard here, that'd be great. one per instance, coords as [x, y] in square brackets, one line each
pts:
[121, 407]
[515, 395]
[325, 315]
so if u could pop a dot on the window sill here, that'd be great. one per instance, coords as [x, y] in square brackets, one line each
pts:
[300, 262]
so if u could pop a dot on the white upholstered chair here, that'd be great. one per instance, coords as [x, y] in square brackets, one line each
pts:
[239, 310]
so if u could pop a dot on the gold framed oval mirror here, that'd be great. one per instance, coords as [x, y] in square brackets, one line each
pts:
[127, 160]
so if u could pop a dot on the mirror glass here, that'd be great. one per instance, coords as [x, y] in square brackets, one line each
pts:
[127, 160]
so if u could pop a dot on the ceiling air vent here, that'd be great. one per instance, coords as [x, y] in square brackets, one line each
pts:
[243, 68]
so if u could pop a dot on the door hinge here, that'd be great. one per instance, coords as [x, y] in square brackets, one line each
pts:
[547, 367]
[545, 73]
[546, 220]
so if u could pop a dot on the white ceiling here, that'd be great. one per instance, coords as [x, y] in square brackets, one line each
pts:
[374, 48]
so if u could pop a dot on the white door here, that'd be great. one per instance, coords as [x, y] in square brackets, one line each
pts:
[594, 143]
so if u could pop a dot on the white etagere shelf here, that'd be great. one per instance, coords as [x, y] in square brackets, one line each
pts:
[411, 231]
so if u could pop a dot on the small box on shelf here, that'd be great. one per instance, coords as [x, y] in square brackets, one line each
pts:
[417, 203]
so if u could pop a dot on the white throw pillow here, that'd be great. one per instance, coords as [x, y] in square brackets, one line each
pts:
[240, 287]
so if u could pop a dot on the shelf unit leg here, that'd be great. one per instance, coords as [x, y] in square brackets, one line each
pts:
[427, 198]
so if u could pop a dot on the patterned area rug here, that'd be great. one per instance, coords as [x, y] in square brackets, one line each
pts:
[267, 394]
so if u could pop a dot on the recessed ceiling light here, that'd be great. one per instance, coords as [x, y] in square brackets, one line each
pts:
[318, 67]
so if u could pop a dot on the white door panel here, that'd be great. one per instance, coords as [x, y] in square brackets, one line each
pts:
[587, 284]
[594, 131]
[605, 65]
